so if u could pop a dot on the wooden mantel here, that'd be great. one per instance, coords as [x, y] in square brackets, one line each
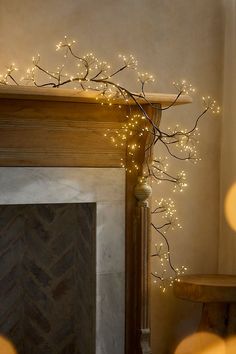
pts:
[62, 127]
[70, 95]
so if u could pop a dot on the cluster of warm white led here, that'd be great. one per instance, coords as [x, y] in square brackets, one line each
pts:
[158, 172]
[161, 276]
[211, 104]
[180, 183]
[166, 273]
[184, 86]
[8, 77]
[135, 126]
[130, 61]
[90, 73]
[165, 208]
[188, 144]
[145, 77]
[185, 142]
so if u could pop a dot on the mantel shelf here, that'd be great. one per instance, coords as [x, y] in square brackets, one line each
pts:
[70, 95]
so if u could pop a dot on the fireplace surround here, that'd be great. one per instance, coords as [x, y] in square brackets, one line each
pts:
[42, 128]
[104, 189]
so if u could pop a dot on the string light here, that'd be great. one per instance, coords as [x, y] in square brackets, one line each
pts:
[93, 74]
[184, 87]
[210, 104]
[145, 77]
[132, 127]
[4, 79]
[129, 61]
[166, 273]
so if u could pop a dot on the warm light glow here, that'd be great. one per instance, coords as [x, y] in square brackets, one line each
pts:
[231, 345]
[206, 343]
[202, 343]
[6, 347]
[230, 207]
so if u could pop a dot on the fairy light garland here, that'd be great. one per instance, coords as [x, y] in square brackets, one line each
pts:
[167, 273]
[179, 143]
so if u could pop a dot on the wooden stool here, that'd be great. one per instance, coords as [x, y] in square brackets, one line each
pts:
[218, 295]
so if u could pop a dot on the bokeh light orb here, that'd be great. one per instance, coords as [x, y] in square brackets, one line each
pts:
[230, 207]
[6, 347]
[231, 345]
[202, 343]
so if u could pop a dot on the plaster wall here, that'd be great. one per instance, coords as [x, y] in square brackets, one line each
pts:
[227, 249]
[173, 39]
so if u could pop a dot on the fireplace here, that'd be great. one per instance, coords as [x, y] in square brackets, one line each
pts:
[53, 150]
[62, 260]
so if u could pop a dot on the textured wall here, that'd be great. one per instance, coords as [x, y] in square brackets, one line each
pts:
[174, 39]
[227, 261]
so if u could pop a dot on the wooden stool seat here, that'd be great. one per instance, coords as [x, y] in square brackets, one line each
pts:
[218, 295]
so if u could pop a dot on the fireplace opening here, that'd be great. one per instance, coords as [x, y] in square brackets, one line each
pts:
[48, 277]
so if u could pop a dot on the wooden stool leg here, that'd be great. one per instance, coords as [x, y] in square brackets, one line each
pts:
[214, 318]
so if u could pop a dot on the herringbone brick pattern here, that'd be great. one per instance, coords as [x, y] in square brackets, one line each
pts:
[47, 277]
